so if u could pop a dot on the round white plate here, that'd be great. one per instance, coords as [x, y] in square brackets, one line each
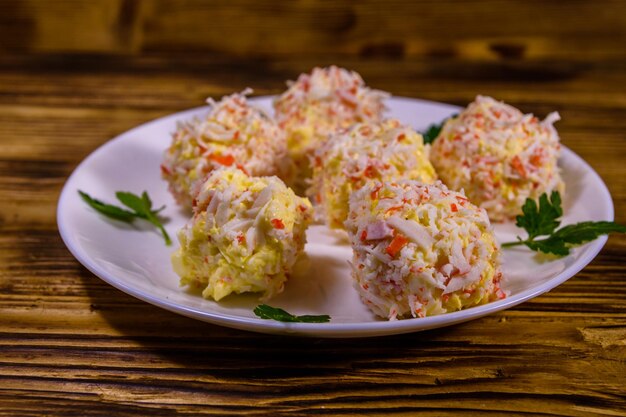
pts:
[134, 258]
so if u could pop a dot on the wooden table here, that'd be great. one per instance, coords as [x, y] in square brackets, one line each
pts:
[75, 74]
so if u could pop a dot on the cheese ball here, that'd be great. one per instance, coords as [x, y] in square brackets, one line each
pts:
[366, 151]
[245, 235]
[233, 133]
[498, 156]
[421, 250]
[317, 105]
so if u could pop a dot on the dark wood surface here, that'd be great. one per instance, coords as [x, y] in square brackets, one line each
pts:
[73, 74]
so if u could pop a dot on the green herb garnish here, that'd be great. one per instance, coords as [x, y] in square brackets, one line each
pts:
[543, 220]
[273, 313]
[141, 207]
[434, 129]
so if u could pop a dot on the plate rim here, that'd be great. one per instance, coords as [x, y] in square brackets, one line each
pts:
[341, 329]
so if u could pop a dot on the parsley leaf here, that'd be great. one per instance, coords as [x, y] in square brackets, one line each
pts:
[133, 201]
[273, 313]
[434, 129]
[141, 208]
[586, 231]
[107, 209]
[543, 220]
[552, 245]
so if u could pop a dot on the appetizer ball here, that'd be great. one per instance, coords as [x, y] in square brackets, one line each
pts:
[232, 133]
[319, 104]
[421, 250]
[366, 151]
[498, 156]
[245, 235]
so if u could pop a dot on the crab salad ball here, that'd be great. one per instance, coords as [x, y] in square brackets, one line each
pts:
[233, 133]
[421, 250]
[245, 235]
[319, 104]
[365, 152]
[498, 156]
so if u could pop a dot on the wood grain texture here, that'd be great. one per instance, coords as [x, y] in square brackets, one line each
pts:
[70, 344]
[487, 29]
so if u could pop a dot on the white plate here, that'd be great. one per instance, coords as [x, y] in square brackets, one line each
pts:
[136, 260]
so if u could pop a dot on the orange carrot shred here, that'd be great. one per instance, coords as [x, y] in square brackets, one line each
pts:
[516, 164]
[277, 223]
[396, 245]
[226, 160]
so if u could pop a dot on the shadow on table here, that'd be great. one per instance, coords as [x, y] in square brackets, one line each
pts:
[205, 349]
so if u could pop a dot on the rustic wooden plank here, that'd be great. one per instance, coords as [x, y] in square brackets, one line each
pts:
[488, 30]
[395, 29]
[70, 344]
[70, 25]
